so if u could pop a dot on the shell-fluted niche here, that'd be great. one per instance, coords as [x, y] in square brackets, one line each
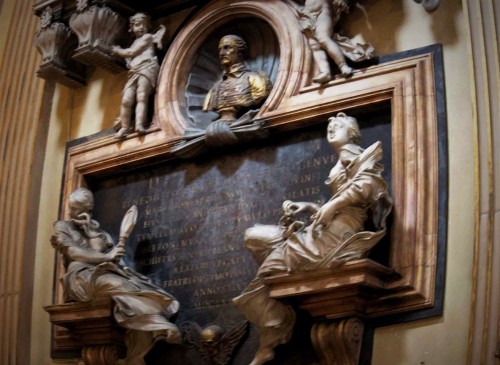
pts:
[191, 67]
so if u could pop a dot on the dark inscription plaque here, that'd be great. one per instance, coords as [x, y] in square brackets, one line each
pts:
[192, 216]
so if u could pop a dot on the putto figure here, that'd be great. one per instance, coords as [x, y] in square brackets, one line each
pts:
[318, 19]
[143, 74]
[334, 235]
[94, 270]
[239, 89]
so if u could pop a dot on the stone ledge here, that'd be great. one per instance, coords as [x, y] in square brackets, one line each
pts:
[347, 290]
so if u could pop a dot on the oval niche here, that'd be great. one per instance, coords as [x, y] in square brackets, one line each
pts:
[191, 66]
[263, 55]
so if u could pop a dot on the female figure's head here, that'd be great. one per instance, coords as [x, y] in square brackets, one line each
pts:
[80, 201]
[343, 129]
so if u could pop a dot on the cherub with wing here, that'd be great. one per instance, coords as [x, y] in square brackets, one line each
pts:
[318, 19]
[143, 73]
[215, 346]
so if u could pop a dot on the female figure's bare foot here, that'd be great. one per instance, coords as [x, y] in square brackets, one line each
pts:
[345, 70]
[263, 355]
[322, 78]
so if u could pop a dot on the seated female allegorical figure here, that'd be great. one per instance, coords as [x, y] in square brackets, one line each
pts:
[94, 270]
[336, 233]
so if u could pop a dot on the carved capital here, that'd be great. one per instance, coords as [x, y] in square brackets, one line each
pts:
[55, 43]
[97, 29]
[339, 342]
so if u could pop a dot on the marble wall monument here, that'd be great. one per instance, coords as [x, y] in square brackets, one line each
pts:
[227, 176]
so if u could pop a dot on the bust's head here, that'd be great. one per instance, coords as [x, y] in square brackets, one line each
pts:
[232, 50]
[80, 201]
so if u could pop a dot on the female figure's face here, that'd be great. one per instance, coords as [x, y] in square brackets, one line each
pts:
[76, 209]
[80, 201]
[337, 133]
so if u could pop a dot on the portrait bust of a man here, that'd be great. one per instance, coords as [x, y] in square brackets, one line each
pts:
[239, 89]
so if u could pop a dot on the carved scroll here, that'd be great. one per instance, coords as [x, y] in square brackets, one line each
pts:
[100, 355]
[338, 343]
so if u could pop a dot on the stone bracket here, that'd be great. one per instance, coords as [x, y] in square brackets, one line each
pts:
[338, 299]
[55, 42]
[97, 29]
[353, 289]
[338, 342]
[88, 329]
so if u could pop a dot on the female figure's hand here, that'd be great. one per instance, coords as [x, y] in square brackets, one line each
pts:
[299, 207]
[323, 217]
[115, 254]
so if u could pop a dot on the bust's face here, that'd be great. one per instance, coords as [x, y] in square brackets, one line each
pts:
[228, 52]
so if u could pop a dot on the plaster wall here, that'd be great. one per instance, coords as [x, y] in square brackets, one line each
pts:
[391, 26]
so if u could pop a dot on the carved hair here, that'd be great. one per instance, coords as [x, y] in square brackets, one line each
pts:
[139, 18]
[81, 198]
[240, 44]
[352, 126]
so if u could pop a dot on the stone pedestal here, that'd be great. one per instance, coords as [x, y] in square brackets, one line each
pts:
[87, 331]
[338, 298]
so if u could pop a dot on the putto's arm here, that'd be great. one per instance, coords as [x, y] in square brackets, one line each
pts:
[135, 49]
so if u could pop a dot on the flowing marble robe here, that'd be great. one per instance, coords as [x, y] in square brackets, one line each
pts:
[359, 180]
[139, 304]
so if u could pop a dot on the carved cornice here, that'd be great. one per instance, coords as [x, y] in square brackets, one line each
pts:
[97, 24]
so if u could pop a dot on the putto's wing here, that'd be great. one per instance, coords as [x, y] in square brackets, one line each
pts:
[229, 341]
[192, 336]
[158, 37]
